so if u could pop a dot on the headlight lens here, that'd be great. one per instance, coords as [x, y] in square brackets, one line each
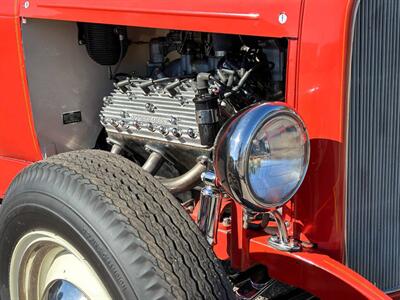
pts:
[277, 159]
[261, 155]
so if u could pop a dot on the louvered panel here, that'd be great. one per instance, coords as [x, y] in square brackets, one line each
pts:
[373, 198]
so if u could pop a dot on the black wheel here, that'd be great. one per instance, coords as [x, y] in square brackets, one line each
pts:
[94, 224]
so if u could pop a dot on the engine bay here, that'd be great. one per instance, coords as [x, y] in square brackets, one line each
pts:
[194, 83]
[144, 92]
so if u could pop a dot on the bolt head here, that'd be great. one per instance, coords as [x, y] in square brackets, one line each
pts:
[275, 239]
[227, 221]
[150, 127]
[191, 133]
[173, 120]
[176, 132]
[136, 124]
[282, 18]
[164, 131]
[150, 107]
[120, 125]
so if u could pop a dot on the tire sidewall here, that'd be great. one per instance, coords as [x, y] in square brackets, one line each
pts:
[31, 207]
[133, 232]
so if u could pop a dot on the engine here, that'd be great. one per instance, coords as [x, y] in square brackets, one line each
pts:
[161, 110]
[195, 83]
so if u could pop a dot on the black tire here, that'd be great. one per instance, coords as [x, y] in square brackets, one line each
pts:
[126, 224]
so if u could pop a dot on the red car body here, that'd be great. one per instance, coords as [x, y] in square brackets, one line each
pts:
[319, 34]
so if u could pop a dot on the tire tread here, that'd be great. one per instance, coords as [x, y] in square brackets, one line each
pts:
[180, 255]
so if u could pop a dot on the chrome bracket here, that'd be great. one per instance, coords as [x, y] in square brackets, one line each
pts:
[282, 241]
[210, 204]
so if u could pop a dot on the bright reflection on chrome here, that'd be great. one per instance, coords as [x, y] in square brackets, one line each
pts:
[64, 290]
[277, 159]
[261, 155]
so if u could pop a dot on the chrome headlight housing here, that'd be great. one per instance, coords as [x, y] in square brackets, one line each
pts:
[261, 155]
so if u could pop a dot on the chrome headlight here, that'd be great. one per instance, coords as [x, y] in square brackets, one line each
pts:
[261, 155]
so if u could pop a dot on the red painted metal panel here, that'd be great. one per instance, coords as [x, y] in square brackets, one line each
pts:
[291, 72]
[395, 295]
[17, 134]
[9, 168]
[310, 270]
[9, 7]
[316, 273]
[253, 17]
[321, 101]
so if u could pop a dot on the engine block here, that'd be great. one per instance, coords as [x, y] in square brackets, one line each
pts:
[161, 110]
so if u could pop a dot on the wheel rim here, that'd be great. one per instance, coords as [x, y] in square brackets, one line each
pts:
[45, 266]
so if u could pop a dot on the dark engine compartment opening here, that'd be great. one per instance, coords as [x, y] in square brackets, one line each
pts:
[187, 53]
[144, 88]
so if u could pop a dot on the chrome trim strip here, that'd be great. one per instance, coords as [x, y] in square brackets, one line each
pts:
[349, 69]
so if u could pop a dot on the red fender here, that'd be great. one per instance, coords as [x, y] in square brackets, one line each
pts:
[316, 273]
[9, 168]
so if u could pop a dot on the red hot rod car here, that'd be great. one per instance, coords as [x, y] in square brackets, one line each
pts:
[199, 149]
